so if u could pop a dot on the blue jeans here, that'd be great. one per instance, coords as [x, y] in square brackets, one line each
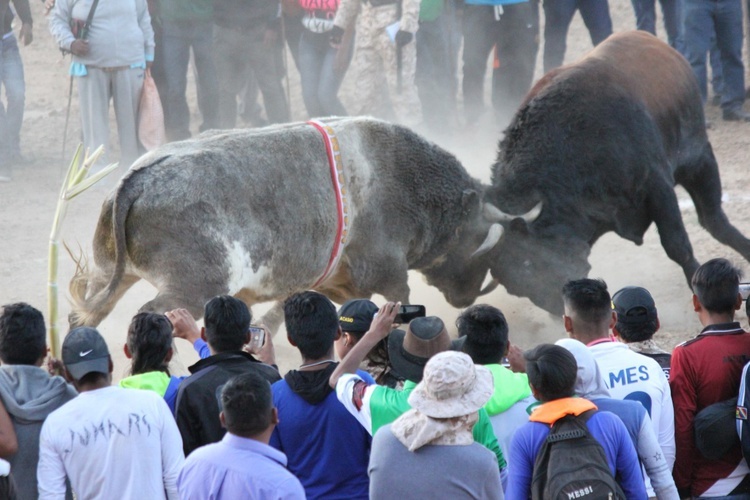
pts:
[703, 18]
[178, 38]
[320, 81]
[559, 13]
[645, 19]
[11, 115]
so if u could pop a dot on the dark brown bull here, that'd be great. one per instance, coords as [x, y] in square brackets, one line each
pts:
[602, 143]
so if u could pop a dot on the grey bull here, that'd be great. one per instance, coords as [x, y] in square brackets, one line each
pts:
[254, 213]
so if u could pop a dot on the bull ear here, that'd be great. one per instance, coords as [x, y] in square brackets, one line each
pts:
[470, 201]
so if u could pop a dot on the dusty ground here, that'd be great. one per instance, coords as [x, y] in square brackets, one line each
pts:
[27, 206]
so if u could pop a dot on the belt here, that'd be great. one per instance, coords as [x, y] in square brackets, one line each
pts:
[110, 69]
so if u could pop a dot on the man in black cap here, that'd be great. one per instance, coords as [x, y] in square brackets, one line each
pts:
[375, 405]
[637, 322]
[109, 442]
[355, 318]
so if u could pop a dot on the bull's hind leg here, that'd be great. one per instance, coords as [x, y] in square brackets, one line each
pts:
[167, 300]
[704, 186]
[662, 205]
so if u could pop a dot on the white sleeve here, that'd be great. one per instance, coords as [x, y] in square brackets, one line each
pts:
[345, 393]
[59, 24]
[50, 470]
[666, 424]
[172, 455]
[655, 463]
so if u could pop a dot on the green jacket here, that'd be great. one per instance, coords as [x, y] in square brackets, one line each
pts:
[509, 389]
[387, 404]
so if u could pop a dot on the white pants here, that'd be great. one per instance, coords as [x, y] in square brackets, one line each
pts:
[95, 91]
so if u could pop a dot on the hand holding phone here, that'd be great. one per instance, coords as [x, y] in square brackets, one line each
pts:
[408, 312]
[257, 339]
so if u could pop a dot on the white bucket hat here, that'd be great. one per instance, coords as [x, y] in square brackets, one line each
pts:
[452, 386]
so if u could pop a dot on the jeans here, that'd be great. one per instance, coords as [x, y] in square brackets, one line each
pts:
[320, 80]
[11, 116]
[645, 19]
[703, 18]
[559, 13]
[237, 52]
[515, 36]
[178, 38]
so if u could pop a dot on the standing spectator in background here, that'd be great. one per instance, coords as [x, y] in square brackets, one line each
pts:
[628, 375]
[433, 73]
[248, 36]
[637, 322]
[429, 451]
[671, 11]
[242, 465]
[11, 78]
[108, 65]
[109, 442]
[326, 448]
[723, 18]
[706, 370]
[557, 17]
[321, 66]
[28, 392]
[512, 26]
[227, 323]
[380, 52]
[188, 24]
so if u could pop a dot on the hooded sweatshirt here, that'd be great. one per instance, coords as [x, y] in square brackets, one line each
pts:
[156, 381]
[326, 447]
[510, 404]
[29, 394]
[590, 385]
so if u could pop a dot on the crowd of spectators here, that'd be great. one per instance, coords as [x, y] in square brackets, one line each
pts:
[406, 412]
[409, 54]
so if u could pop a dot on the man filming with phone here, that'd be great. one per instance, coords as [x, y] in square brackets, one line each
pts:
[227, 330]
[375, 406]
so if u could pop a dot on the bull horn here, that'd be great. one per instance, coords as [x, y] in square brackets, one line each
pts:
[494, 214]
[490, 287]
[493, 236]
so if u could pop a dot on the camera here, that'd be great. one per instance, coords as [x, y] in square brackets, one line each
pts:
[745, 290]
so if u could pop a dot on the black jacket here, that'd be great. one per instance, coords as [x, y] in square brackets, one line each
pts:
[197, 408]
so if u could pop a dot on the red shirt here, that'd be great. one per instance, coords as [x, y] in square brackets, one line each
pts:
[706, 370]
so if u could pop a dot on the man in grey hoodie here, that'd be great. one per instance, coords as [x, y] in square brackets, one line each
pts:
[27, 391]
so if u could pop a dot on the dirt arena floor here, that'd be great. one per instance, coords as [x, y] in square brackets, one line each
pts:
[27, 206]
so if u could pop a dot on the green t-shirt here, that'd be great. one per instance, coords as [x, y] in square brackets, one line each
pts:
[186, 10]
[430, 10]
[387, 404]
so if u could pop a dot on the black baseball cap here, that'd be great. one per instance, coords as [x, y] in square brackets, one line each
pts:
[84, 351]
[356, 315]
[634, 305]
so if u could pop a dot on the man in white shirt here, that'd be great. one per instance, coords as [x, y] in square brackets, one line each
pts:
[109, 442]
[628, 375]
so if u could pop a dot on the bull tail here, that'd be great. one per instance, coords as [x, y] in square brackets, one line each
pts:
[93, 295]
